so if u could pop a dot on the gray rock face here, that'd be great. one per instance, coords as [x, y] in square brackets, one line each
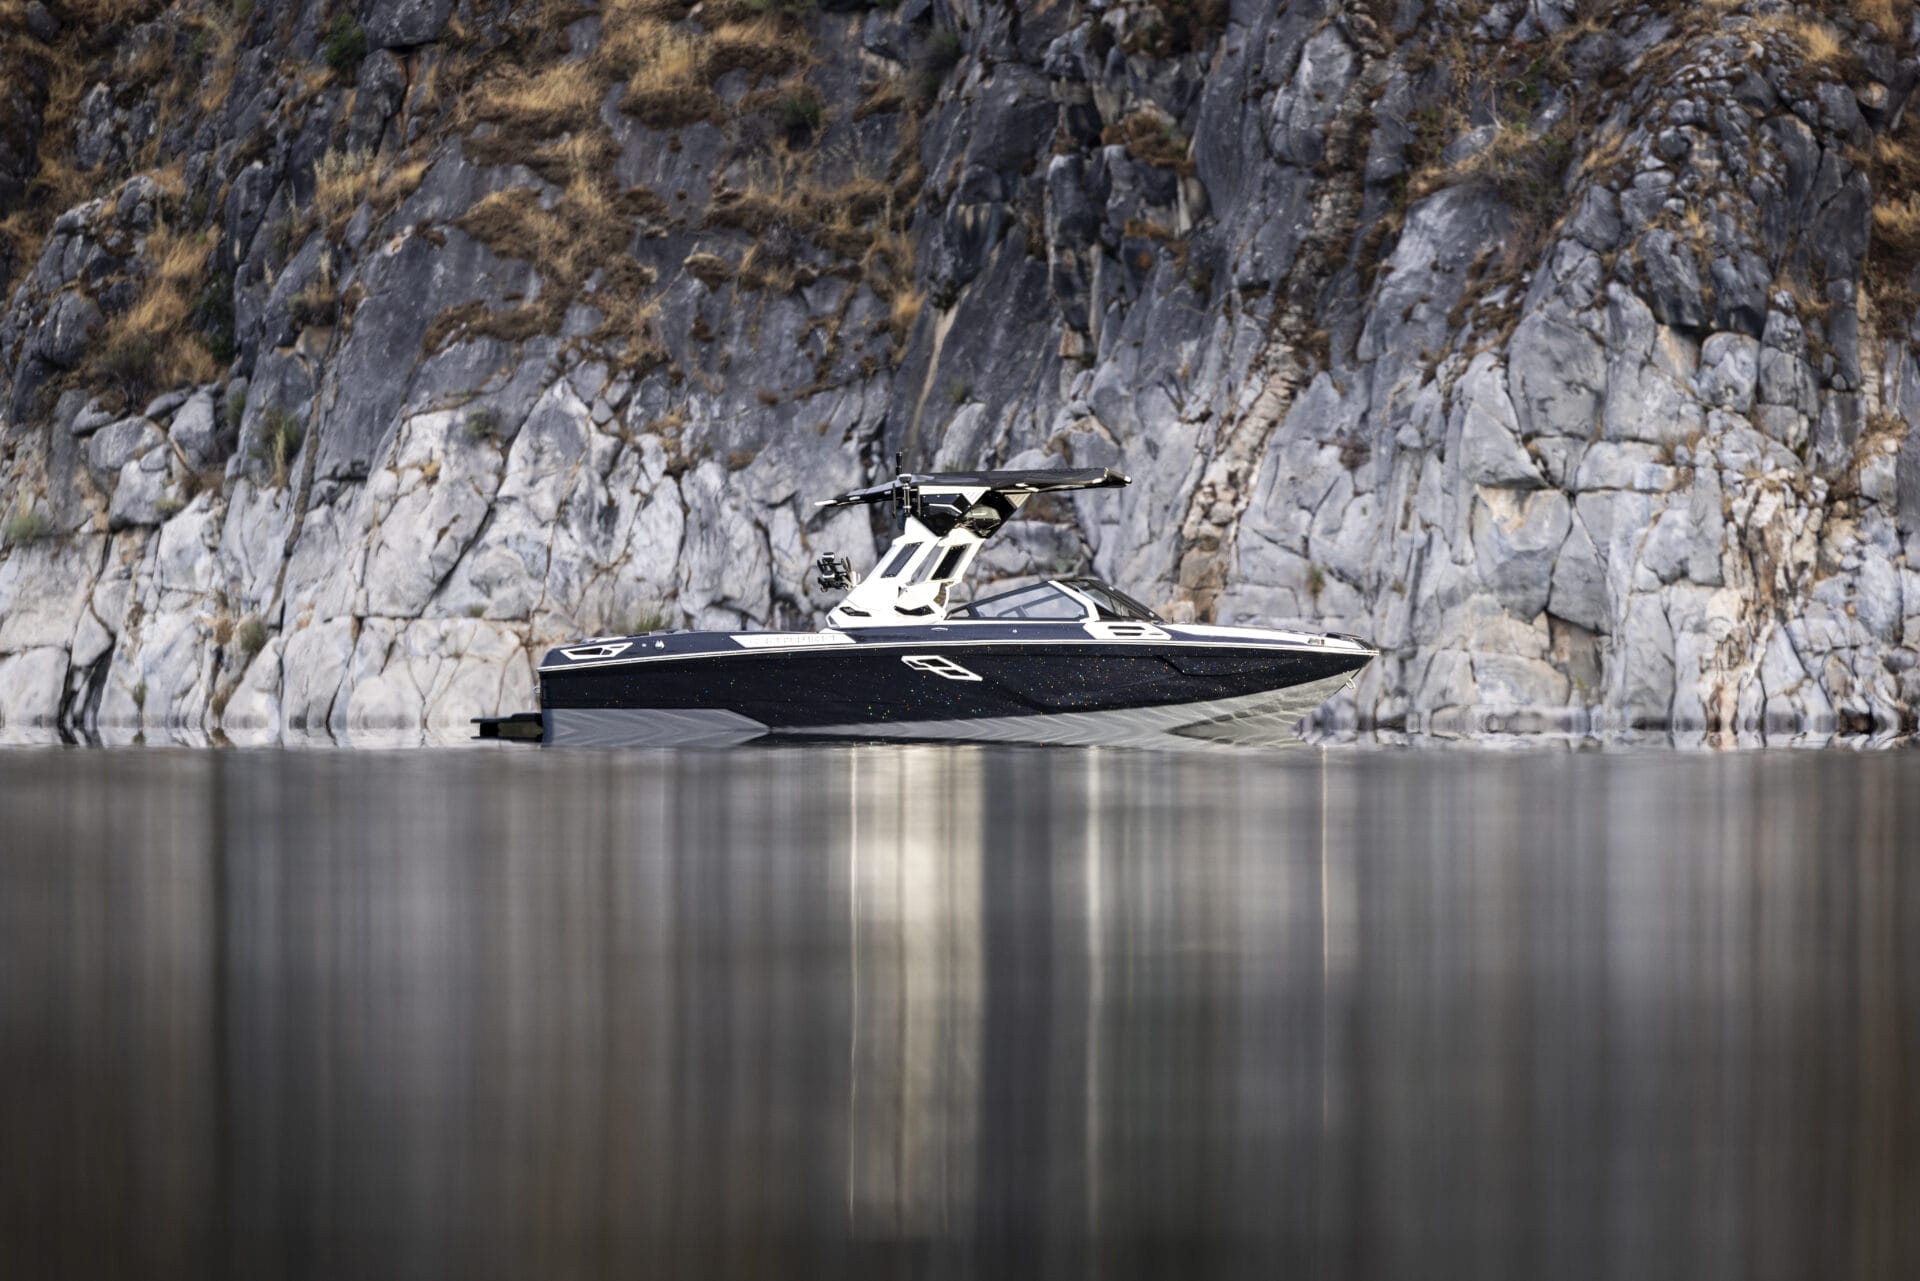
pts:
[194, 431]
[91, 418]
[1304, 107]
[138, 494]
[1673, 280]
[119, 443]
[1729, 372]
[1584, 435]
[398, 24]
[1516, 539]
[70, 324]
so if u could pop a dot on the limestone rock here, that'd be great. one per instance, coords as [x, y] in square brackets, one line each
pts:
[194, 431]
[1578, 590]
[1516, 538]
[69, 326]
[138, 493]
[1729, 371]
[121, 442]
[31, 683]
[1581, 440]
[397, 24]
[1302, 110]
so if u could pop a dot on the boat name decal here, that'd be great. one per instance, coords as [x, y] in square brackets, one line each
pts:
[1104, 629]
[939, 665]
[598, 651]
[789, 640]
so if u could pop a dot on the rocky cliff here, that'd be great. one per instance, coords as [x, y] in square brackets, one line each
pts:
[355, 350]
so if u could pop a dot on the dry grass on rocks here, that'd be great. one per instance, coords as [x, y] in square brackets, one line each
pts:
[660, 68]
[345, 180]
[561, 96]
[580, 242]
[1152, 138]
[151, 345]
[1893, 251]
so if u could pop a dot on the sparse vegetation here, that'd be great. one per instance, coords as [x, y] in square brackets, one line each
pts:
[346, 44]
[1820, 43]
[942, 51]
[249, 639]
[1175, 27]
[26, 523]
[151, 345]
[279, 442]
[213, 316]
[710, 270]
[1893, 251]
[659, 64]
[672, 84]
[344, 180]
[1152, 138]
[1528, 171]
[315, 307]
[671, 87]
[482, 424]
[905, 311]
[581, 236]
[800, 112]
[765, 48]
[557, 97]
[1896, 232]
[1883, 14]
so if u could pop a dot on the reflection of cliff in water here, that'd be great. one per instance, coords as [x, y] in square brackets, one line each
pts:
[925, 1010]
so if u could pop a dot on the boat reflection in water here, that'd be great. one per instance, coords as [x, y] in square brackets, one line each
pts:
[937, 1011]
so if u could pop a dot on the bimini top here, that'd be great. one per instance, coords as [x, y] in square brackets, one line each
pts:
[942, 519]
[1005, 482]
[980, 501]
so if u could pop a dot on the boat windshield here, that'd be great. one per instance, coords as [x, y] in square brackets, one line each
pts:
[1042, 602]
[1113, 604]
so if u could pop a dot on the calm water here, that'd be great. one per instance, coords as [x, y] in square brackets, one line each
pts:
[920, 1012]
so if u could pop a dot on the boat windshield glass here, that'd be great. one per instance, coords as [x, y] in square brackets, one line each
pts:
[1111, 603]
[1042, 602]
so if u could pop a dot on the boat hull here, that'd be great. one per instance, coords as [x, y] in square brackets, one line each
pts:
[1031, 688]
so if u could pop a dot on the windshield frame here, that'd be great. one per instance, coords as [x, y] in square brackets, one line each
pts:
[1088, 610]
[1116, 606]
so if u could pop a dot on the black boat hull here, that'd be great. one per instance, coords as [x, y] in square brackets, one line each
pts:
[1031, 688]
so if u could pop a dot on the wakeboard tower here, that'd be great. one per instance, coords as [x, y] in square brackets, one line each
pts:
[1061, 660]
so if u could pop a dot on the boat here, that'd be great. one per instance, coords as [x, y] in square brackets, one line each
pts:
[1063, 660]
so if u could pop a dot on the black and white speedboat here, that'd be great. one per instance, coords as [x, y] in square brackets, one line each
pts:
[1067, 660]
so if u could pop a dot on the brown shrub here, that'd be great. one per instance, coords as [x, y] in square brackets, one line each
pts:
[564, 95]
[761, 47]
[150, 346]
[710, 270]
[1152, 138]
[580, 239]
[903, 314]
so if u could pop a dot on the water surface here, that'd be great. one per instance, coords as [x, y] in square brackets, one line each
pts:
[925, 1012]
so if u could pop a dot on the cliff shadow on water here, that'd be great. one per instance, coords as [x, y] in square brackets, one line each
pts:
[353, 352]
